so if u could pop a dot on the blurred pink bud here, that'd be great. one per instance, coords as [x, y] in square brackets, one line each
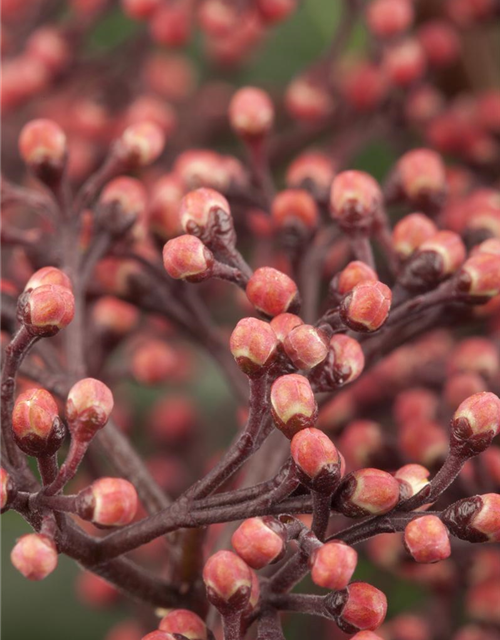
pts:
[35, 556]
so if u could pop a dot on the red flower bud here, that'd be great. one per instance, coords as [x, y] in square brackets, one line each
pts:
[363, 85]
[332, 565]
[462, 385]
[306, 346]
[47, 309]
[427, 540]
[367, 492]
[140, 9]
[88, 408]
[35, 556]
[311, 169]
[367, 306]
[253, 345]
[43, 147]
[114, 316]
[360, 441]
[172, 419]
[358, 607]
[292, 404]
[410, 232]
[228, 581]
[355, 273]
[348, 361]
[123, 203]
[422, 175]
[187, 258]
[415, 475]
[387, 18]
[284, 323]
[37, 428]
[404, 62]
[272, 292]
[423, 441]
[295, 208]
[476, 421]
[141, 143]
[159, 635]
[153, 362]
[251, 113]
[482, 603]
[184, 622]
[479, 278]
[259, 541]
[8, 490]
[273, 11]
[486, 519]
[438, 257]
[488, 246]
[441, 43]
[164, 215]
[48, 275]
[316, 459]
[475, 355]
[108, 502]
[415, 404]
[355, 198]
[94, 591]
[198, 210]
[126, 630]
[308, 100]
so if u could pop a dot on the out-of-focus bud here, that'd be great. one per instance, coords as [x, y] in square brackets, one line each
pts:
[126, 630]
[184, 622]
[293, 404]
[113, 316]
[295, 209]
[348, 358]
[308, 100]
[108, 502]
[356, 272]
[123, 203]
[423, 441]
[8, 490]
[355, 198]
[482, 603]
[415, 475]
[367, 306]
[317, 459]
[306, 346]
[479, 278]
[460, 386]
[363, 85]
[164, 217]
[228, 581]
[253, 344]
[35, 556]
[172, 419]
[272, 291]
[311, 170]
[37, 429]
[140, 9]
[358, 607]
[48, 275]
[475, 355]
[159, 635]
[416, 403]
[387, 18]
[141, 143]
[366, 635]
[153, 362]
[427, 540]
[440, 41]
[43, 147]
[273, 11]
[251, 113]
[410, 232]
[404, 62]
[260, 541]
[367, 492]
[88, 408]
[475, 519]
[284, 323]
[475, 423]
[332, 565]
[94, 591]
[421, 175]
[360, 441]
[47, 309]
[187, 258]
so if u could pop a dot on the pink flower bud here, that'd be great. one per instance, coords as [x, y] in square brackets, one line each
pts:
[422, 175]
[43, 147]
[273, 11]
[349, 359]
[164, 215]
[415, 404]
[367, 306]
[486, 519]
[35, 556]
[332, 565]
[460, 386]
[141, 143]
[387, 18]
[187, 258]
[184, 622]
[8, 490]
[355, 273]
[48, 275]
[363, 85]
[284, 323]
[108, 502]
[423, 441]
[427, 540]
[293, 405]
[159, 635]
[295, 208]
[360, 606]
[479, 277]
[306, 346]
[482, 603]
[253, 345]
[114, 316]
[255, 591]
[367, 492]
[316, 459]
[228, 581]
[48, 309]
[153, 362]
[88, 408]
[313, 169]
[438, 257]
[360, 442]
[259, 541]
[476, 421]
[415, 475]
[355, 198]
[140, 9]
[492, 245]
[123, 202]
[251, 113]
[410, 232]
[35, 423]
[271, 291]
[94, 591]
[441, 43]
[404, 62]
[198, 208]
[308, 100]
[475, 355]
[126, 630]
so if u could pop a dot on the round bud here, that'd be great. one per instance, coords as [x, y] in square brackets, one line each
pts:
[479, 278]
[358, 607]
[355, 198]
[36, 426]
[48, 275]
[198, 208]
[475, 355]
[259, 541]
[348, 358]
[187, 258]
[108, 502]
[306, 346]
[153, 362]
[271, 291]
[8, 490]
[35, 556]
[114, 316]
[355, 273]
[332, 565]
[43, 147]
[184, 622]
[486, 520]
[316, 458]
[387, 18]
[253, 345]
[441, 43]
[423, 440]
[47, 309]
[415, 403]
[295, 209]
[460, 386]
[311, 170]
[415, 475]
[404, 62]
[140, 9]
[164, 217]
[437, 258]
[293, 405]
[427, 540]
[284, 323]
[366, 635]
[123, 203]
[476, 422]
[367, 306]
[410, 232]
[172, 419]
[251, 113]
[360, 442]
[273, 11]
[88, 408]
[308, 100]
[363, 85]
[228, 581]
[367, 492]
[422, 176]
[142, 143]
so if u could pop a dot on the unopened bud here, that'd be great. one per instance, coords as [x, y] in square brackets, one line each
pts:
[475, 519]
[43, 147]
[88, 408]
[415, 475]
[48, 275]
[108, 502]
[187, 258]
[37, 429]
[251, 113]
[410, 232]
[35, 556]
[355, 273]
[184, 622]
[367, 306]
[421, 173]
[479, 278]
[306, 346]
[272, 292]
[295, 209]
[348, 358]
[332, 565]
[360, 606]
[8, 490]
[476, 422]
[284, 323]
[141, 143]
[355, 199]
[367, 492]
[228, 581]
[47, 309]
[293, 405]
[427, 540]
[259, 541]
[317, 459]
[253, 345]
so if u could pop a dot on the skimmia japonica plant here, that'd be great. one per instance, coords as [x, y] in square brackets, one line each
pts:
[355, 322]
